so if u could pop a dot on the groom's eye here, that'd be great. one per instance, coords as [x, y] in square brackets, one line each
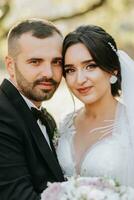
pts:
[35, 62]
[57, 62]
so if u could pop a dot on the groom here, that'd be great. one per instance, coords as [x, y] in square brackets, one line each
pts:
[27, 156]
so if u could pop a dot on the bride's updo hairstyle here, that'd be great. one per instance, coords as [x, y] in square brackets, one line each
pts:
[102, 48]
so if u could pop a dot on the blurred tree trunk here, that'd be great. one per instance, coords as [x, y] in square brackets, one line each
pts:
[5, 6]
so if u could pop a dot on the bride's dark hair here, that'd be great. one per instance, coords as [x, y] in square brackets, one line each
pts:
[102, 48]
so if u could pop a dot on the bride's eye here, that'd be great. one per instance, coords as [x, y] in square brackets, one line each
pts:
[69, 70]
[91, 66]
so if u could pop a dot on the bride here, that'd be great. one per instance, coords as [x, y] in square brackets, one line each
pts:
[98, 139]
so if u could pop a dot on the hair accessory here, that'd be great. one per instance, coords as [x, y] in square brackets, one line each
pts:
[112, 46]
[113, 79]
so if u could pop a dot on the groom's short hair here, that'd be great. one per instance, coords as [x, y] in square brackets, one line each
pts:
[39, 28]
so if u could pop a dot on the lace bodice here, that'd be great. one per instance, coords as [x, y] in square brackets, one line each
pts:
[107, 158]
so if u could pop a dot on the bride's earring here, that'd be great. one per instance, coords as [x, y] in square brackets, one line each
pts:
[113, 79]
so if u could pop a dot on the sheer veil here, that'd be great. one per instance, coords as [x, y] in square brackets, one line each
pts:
[127, 85]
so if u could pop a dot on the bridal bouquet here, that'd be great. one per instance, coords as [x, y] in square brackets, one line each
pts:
[88, 189]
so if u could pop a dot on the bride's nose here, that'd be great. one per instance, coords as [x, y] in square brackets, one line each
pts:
[81, 76]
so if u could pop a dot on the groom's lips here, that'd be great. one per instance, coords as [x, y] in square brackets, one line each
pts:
[46, 85]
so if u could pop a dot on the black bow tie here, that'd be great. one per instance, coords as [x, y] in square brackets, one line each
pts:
[39, 114]
[46, 119]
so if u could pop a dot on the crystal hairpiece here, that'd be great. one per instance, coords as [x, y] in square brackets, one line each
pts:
[112, 46]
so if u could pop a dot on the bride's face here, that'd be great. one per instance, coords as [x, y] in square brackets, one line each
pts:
[86, 80]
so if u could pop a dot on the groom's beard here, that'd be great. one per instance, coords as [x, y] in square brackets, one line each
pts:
[31, 89]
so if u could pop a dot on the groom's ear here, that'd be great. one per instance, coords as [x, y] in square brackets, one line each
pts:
[10, 66]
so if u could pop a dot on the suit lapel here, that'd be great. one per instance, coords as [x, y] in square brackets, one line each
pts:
[31, 123]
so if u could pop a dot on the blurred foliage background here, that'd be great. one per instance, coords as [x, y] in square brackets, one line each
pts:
[116, 16]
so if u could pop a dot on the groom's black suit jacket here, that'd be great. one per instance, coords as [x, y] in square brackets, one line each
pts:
[26, 161]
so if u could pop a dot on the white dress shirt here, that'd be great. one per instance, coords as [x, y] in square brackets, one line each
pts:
[42, 127]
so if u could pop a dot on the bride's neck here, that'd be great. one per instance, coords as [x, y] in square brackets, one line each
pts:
[105, 108]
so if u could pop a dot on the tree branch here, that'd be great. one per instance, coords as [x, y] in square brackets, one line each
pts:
[5, 8]
[78, 14]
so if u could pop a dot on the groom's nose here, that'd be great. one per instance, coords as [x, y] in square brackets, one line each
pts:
[47, 70]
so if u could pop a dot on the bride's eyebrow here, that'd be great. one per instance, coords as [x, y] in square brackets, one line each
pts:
[87, 61]
[68, 65]
[82, 62]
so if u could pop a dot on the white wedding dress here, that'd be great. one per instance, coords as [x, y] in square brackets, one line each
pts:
[109, 157]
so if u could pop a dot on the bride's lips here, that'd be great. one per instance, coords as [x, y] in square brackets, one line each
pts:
[84, 90]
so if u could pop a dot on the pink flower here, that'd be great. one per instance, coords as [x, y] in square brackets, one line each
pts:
[87, 188]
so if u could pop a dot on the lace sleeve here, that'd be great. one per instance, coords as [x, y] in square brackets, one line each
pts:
[66, 124]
